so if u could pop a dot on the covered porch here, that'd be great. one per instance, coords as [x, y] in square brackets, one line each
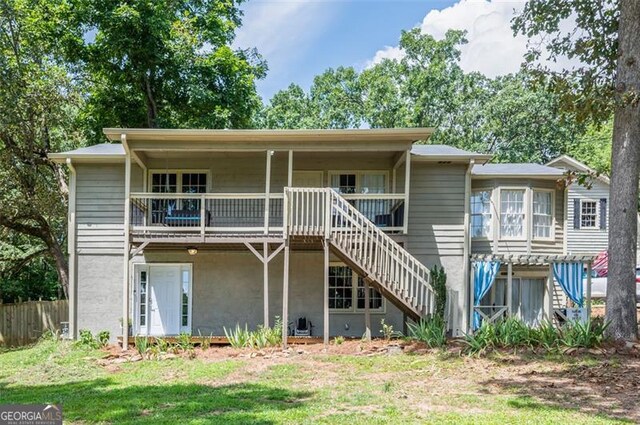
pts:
[532, 288]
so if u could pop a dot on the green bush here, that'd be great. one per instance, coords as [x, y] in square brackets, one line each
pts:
[87, 340]
[439, 285]
[589, 334]
[431, 331]
[513, 333]
[261, 338]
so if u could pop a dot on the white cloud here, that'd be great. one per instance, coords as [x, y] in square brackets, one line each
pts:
[279, 28]
[492, 48]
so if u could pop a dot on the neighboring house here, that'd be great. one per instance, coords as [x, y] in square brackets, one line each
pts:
[587, 210]
[198, 230]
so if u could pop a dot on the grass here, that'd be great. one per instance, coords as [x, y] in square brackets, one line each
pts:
[309, 388]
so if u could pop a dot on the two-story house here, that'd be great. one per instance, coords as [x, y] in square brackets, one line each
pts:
[196, 231]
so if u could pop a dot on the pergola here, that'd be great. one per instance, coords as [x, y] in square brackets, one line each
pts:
[531, 260]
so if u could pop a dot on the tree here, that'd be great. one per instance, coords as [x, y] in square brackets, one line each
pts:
[166, 64]
[606, 42]
[39, 102]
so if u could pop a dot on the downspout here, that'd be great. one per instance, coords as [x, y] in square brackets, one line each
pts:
[72, 249]
[125, 251]
[466, 251]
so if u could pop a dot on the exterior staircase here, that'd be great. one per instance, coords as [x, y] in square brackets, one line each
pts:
[363, 246]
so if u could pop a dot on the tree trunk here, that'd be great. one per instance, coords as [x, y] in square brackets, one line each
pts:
[625, 174]
[62, 268]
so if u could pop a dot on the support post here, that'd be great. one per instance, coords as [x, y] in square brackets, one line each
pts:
[267, 190]
[265, 267]
[290, 170]
[466, 252]
[285, 296]
[589, 289]
[71, 250]
[407, 187]
[367, 311]
[325, 326]
[125, 253]
[472, 291]
[510, 288]
[550, 314]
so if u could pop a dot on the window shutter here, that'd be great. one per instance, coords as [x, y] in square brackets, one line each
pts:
[576, 213]
[603, 213]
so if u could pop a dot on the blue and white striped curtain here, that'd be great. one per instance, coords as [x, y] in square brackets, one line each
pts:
[484, 274]
[569, 276]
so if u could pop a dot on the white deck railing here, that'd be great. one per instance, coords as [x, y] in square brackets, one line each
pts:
[324, 212]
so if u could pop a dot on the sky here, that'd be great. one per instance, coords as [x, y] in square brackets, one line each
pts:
[301, 38]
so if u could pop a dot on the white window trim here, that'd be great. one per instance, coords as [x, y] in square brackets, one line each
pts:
[135, 289]
[354, 296]
[525, 209]
[179, 172]
[492, 214]
[552, 232]
[359, 174]
[597, 221]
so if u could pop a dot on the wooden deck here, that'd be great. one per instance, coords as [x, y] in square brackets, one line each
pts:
[222, 340]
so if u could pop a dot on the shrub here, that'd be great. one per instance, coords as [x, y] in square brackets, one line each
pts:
[439, 285]
[184, 342]
[260, 338]
[431, 331]
[387, 331]
[513, 333]
[339, 340]
[240, 338]
[589, 334]
[143, 346]
[103, 338]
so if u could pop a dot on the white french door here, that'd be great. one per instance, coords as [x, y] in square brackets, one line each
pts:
[163, 299]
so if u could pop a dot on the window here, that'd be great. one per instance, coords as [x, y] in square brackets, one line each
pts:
[512, 214]
[375, 297]
[346, 291]
[143, 298]
[481, 214]
[172, 181]
[542, 214]
[184, 307]
[340, 288]
[360, 182]
[588, 214]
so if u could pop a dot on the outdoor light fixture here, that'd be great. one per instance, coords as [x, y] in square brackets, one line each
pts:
[192, 250]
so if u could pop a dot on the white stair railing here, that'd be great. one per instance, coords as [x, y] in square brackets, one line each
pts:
[323, 212]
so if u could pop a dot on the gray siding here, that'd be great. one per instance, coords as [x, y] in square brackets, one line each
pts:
[436, 223]
[528, 245]
[100, 207]
[584, 241]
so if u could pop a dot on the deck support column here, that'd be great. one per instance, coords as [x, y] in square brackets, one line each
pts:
[265, 267]
[550, 294]
[125, 277]
[267, 192]
[407, 187]
[325, 326]
[367, 312]
[285, 296]
[588, 304]
[509, 288]
[290, 169]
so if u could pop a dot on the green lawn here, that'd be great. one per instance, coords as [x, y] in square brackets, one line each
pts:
[308, 388]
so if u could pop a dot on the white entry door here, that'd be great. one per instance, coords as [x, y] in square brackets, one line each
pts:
[164, 300]
[307, 179]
